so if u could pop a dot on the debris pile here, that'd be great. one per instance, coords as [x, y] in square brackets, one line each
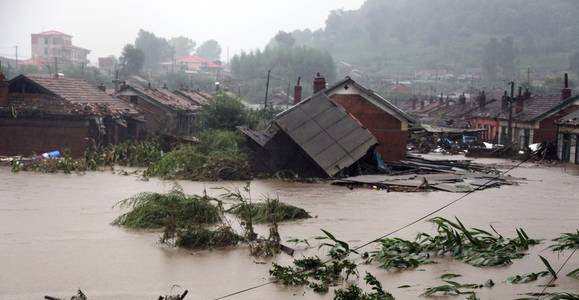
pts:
[415, 174]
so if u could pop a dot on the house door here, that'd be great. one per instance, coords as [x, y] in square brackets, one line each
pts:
[566, 151]
[577, 149]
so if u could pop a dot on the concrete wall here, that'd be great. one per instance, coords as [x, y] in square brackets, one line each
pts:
[387, 129]
[24, 137]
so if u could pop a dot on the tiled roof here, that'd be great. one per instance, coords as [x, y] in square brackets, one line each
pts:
[164, 97]
[196, 97]
[53, 32]
[78, 91]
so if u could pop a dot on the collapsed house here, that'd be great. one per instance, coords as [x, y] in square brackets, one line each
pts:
[328, 133]
[44, 113]
[166, 113]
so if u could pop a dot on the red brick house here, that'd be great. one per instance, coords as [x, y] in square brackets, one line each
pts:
[568, 139]
[165, 112]
[44, 113]
[535, 117]
[384, 120]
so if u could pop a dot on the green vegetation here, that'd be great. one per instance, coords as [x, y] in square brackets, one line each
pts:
[566, 241]
[175, 209]
[201, 238]
[224, 112]
[353, 292]
[263, 212]
[217, 156]
[136, 154]
[455, 288]
[287, 62]
[550, 296]
[524, 278]
[314, 273]
[423, 34]
[475, 246]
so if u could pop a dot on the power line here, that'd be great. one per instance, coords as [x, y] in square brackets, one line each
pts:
[394, 231]
[556, 273]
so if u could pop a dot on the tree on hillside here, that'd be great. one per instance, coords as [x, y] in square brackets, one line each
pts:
[210, 49]
[131, 61]
[156, 49]
[182, 46]
[284, 39]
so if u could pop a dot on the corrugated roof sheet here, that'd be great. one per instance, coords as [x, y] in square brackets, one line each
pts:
[329, 135]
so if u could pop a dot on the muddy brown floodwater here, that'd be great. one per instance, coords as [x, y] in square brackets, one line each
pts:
[55, 236]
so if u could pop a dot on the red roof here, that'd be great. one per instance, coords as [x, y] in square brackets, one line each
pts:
[192, 59]
[53, 32]
[78, 91]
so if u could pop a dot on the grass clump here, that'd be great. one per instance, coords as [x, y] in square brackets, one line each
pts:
[197, 238]
[524, 278]
[217, 156]
[173, 209]
[264, 212]
[550, 296]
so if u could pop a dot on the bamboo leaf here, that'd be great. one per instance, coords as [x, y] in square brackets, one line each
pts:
[548, 265]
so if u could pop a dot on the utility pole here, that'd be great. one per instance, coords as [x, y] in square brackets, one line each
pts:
[510, 101]
[266, 90]
[16, 47]
[56, 67]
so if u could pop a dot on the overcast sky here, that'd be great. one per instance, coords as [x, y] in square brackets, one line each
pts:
[105, 26]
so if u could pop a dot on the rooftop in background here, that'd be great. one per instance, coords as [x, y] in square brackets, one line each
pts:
[76, 91]
[162, 96]
[53, 32]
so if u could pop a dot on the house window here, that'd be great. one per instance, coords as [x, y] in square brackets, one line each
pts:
[46, 41]
[45, 51]
[134, 99]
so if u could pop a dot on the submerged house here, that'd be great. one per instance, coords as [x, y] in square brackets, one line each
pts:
[165, 112]
[333, 130]
[44, 113]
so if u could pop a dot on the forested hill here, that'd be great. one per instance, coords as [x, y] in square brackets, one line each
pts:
[406, 35]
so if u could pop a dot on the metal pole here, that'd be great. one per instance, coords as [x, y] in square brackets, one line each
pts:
[510, 101]
[16, 57]
[266, 90]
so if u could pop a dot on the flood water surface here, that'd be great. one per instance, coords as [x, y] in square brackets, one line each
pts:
[56, 237]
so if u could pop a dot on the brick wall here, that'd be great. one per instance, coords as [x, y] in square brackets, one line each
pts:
[24, 137]
[547, 131]
[385, 127]
[156, 118]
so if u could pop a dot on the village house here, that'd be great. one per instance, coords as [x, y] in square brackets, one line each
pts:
[534, 117]
[165, 112]
[193, 64]
[44, 113]
[50, 45]
[568, 138]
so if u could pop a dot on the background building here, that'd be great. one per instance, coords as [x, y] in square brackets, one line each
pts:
[48, 45]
